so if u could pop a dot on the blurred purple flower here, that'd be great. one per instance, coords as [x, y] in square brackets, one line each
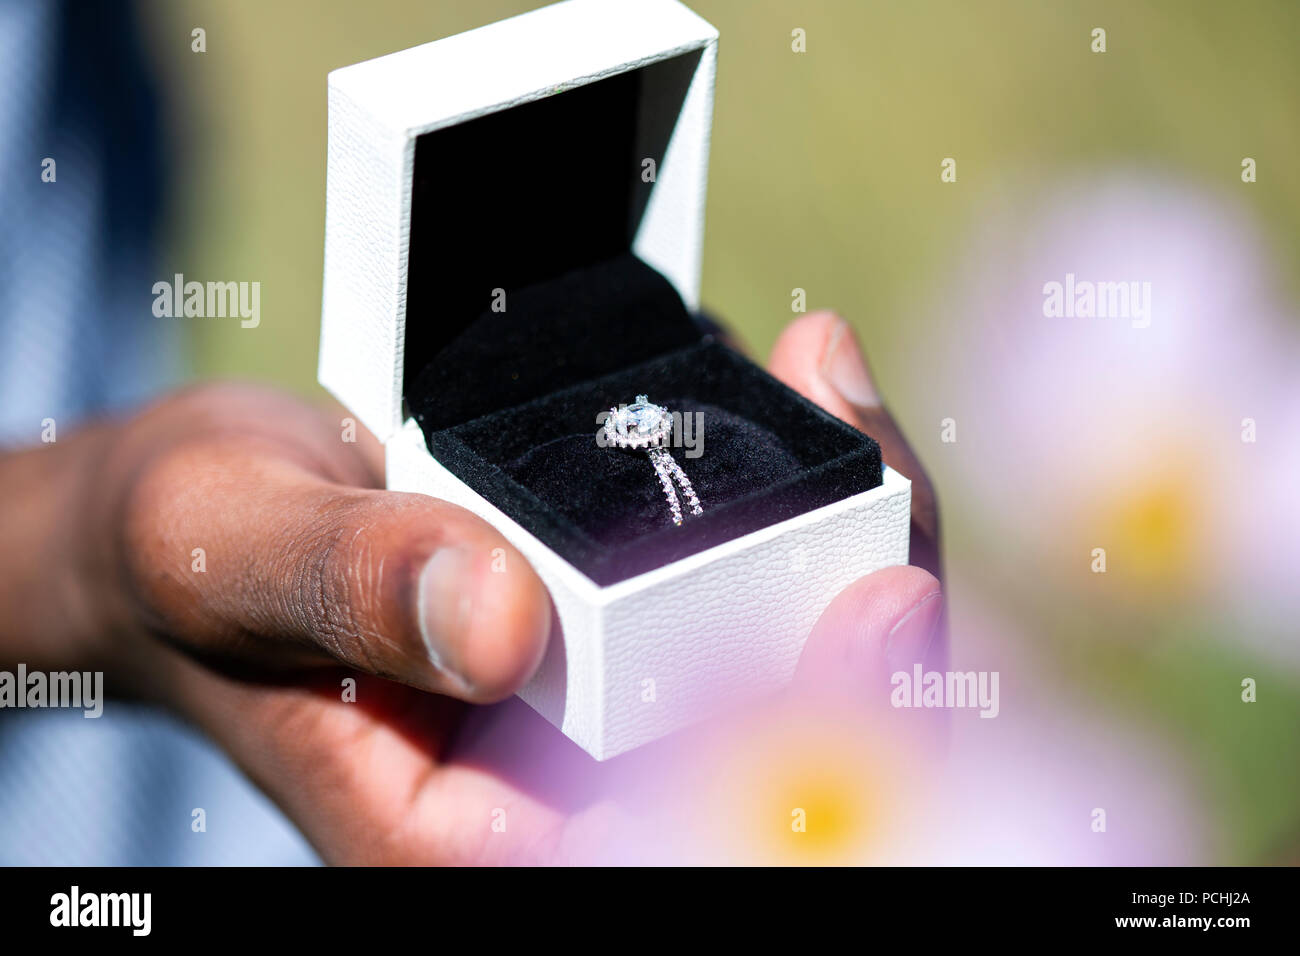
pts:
[1127, 432]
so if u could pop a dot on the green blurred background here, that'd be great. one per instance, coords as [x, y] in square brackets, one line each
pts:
[825, 176]
[824, 168]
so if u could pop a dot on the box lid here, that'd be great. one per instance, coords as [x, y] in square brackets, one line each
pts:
[379, 111]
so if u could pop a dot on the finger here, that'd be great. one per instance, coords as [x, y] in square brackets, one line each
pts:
[245, 554]
[881, 624]
[867, 645]
[367, 781]
[819, 356]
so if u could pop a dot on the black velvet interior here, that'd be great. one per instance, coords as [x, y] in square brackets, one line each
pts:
[543, 201]
[586, 323]
[525, 194]
[768, 454]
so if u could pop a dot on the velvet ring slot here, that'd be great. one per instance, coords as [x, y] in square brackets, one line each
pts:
[765, 453]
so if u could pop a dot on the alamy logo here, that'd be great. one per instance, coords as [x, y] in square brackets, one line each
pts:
[1101, 300]
[74, 908]
[687, 433]
[37, 689]
[211, 300]
[946, 689]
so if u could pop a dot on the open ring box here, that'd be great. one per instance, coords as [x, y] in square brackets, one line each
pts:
[514, 225]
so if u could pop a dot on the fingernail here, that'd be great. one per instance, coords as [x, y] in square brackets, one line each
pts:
[446, 607]
[845, 370]
[909, 640]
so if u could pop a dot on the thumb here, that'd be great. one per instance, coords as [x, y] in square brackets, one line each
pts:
[399, 585]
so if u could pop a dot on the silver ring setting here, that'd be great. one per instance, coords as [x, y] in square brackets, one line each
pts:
[644, 425]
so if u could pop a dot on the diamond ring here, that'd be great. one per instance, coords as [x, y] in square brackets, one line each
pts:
[645, 425]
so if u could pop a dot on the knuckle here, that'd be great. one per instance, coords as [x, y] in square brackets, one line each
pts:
[337, 577]
[324, 560]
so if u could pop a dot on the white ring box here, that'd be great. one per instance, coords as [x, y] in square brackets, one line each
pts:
[641, 650]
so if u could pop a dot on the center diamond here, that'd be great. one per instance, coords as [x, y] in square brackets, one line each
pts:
[639, 424]
[646, 417]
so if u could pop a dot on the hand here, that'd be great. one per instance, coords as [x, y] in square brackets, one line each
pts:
[309, 575]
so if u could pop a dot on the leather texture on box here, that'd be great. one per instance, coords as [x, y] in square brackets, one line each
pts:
[707, 631]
